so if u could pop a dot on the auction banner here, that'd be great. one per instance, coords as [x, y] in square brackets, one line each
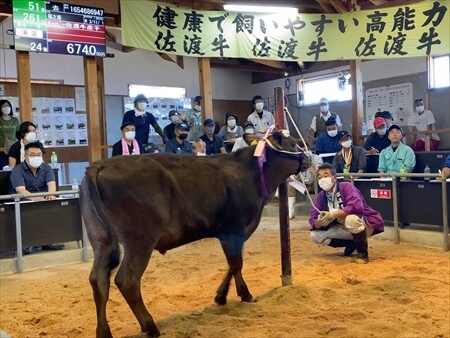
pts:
[410, 30]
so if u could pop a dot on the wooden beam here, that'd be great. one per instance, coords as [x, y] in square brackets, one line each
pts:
[110, 35]
[357, 100]
[339, 6]
[204, 69]
[102, 103]
[166, 57]
[127, 49]
[92, 111]
[326, 7]
[180, 61]
[301, 65]
[244, 68]
[270, 63]
[393, 3]
[24, 85]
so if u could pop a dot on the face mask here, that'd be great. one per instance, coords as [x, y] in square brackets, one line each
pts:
[201, 154]
[198, 108]
[35, 162]
[381, 132]
[250, 130]
[129, 135]
[174, 119]
[259, 106]
[231, 123]
[347, 144]
[332, 133]
[182, 136]
[420, 109]
[210, 130]
[141, 106]
[326, 183]
[324, 108]
[30, 137]
[6, 110]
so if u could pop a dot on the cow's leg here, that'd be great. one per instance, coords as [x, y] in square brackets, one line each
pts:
[128, 280]
[232, 247]
[105, 259]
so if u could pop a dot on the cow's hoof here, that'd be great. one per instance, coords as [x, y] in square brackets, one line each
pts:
[248, 298]
[153, 333]
[220, 300]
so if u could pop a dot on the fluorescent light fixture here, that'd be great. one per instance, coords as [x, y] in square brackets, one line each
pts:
[261, 9]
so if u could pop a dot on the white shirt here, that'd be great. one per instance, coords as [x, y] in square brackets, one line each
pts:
[261, 124]
[326, 117]
[239, 144]
[421, 122]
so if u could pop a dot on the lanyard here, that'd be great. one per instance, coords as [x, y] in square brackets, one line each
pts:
[347, 159]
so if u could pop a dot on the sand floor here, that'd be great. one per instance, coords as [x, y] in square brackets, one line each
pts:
[403, 292]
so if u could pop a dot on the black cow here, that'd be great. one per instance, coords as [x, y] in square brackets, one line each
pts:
[162, 201]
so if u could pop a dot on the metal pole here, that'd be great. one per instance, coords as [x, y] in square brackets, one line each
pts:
[395, 210]
[445, 214]
[286, 268]
[18, 235]
[85, 242]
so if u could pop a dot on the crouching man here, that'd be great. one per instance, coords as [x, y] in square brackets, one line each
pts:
[344, 220]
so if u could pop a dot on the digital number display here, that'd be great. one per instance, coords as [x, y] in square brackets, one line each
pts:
[51, 27]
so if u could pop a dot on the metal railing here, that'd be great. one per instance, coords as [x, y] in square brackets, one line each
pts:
[17, 198]
[395, 177]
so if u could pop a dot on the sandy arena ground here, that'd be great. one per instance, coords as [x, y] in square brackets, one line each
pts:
[403, 292]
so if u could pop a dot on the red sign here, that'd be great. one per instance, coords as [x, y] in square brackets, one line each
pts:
[380, 193]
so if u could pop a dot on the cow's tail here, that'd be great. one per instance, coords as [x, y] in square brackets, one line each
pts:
[100, 232]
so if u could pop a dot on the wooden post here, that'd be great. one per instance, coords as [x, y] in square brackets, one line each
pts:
[92, 109]
[285, 240]
[24, 85]
[102, 104]
[204, 69]
[357, 102]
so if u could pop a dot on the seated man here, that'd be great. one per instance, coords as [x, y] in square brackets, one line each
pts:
[398, 155]
[328, 142]
[350, 159]
[33, 175]
[344, 220]
[179, 145]
[249, 128]
[379, 140]
[199, 148]
[214, 143]
[127, 145]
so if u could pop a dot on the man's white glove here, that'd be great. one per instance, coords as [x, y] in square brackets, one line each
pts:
[325, 218]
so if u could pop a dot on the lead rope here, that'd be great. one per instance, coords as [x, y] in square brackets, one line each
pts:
[302, 179]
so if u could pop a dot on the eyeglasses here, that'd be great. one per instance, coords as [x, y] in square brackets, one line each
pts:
[33, 155]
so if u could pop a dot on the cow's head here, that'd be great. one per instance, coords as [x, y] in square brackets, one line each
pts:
[283, 157]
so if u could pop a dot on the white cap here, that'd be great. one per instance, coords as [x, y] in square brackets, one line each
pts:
[323, 101]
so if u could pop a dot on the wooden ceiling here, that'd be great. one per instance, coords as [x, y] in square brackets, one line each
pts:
[262, 70]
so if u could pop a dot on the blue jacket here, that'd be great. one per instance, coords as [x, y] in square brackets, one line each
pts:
[327, 144]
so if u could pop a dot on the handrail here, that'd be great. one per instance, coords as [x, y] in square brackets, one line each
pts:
[39, 194]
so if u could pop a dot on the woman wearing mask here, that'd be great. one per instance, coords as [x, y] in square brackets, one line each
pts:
[9, 125]
[25, 135]
[349, 159]
[127, 145]
[230, 131]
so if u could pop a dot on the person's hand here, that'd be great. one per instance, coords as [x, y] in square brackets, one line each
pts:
[232, 141]
[325, 218]
[182, 117]
[191, 121]
[373, 151]
[48, 198]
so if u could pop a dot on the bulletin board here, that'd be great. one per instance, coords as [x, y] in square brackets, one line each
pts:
[397, 99]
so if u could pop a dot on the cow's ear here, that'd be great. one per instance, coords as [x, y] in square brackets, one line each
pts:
[277, 139]
[250, 138]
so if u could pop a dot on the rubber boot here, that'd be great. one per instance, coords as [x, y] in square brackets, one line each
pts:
[348, 244]
[291, 206]
[362, 247]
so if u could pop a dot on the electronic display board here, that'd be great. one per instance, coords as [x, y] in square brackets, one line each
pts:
[51, 27]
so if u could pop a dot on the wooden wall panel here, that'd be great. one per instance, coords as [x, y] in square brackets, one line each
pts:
[242, 109]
